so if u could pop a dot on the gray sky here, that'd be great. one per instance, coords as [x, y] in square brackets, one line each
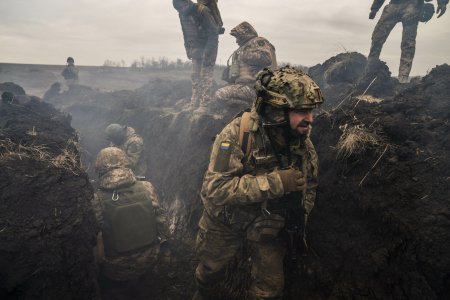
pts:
[303, 32]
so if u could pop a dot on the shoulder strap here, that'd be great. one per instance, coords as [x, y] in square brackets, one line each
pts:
[245, 138]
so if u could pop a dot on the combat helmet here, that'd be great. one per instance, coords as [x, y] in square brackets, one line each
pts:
[70, 60]
[116, 133]
[287, 88]
[110, 158]
[182, 6]
[243, 32]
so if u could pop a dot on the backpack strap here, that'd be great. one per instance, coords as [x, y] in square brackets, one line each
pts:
[245, 138]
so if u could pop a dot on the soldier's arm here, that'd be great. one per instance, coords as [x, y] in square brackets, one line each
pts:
[257, 54]
[134, 150]
[225, 182]
[212, 33]
[97, 208]
[312, 175]
[376, 5]
[162, 220]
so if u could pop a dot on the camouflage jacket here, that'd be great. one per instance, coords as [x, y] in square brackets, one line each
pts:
[133, 148]
[235, 186]
[70, 72]
[200, 32]
[256, 54]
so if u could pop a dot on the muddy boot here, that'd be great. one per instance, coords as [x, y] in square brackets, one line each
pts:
[403, 79]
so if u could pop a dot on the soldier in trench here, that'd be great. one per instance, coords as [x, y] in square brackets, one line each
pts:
[260, 185]
[126, 138]
[254, 54]
[133, 226]
[409, 13]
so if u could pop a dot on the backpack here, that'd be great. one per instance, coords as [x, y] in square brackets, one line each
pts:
[130, 221]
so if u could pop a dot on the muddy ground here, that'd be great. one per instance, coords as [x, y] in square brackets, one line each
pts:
[380, 226]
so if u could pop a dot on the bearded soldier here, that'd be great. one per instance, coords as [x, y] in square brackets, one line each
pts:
[131, 221]
[260, 185]
[409, 13]
[201, 39]
[126, 138]
[254, 54]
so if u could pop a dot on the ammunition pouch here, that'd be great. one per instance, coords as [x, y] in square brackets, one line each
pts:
[265, 228]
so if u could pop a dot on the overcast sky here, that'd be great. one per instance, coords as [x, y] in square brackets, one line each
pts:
[303, 32]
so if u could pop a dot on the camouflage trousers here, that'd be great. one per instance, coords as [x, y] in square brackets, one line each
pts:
[240, 93]
[129, 267]
[408, 14]
[202, 81]
[218, 244]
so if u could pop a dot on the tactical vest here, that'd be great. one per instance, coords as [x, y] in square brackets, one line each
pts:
[193, 34]
[129, 220]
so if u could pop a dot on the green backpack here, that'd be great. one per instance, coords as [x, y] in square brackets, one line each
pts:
[130, 221]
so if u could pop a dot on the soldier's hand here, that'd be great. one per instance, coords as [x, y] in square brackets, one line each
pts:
[293, 180]
[441, 10]
[372, 14]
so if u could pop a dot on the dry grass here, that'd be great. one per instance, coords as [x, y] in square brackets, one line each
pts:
[355, 140]
[368, 98]
[67, 160]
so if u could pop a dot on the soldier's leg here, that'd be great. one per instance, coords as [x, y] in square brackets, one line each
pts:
[236, 92]
[207, 78]
[386, 23]
[196, 84]
[216, 246]
[410, 21]
[267, 269]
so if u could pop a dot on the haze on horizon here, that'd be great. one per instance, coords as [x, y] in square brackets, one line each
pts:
[303, 32]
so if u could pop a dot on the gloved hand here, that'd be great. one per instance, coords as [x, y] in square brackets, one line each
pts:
[293, 180]
[372, 14]
[441, 9]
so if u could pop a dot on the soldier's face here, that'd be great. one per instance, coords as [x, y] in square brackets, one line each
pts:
[300, 121]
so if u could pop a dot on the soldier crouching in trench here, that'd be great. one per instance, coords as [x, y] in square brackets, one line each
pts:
[132, 224]
[260, 185]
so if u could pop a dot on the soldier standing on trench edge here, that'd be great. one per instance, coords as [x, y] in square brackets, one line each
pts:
[260, 186]
[201, 26]
[409, 13]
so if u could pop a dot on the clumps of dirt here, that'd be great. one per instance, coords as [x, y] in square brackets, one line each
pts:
[47, 227]
[350, 74]
[381, 222]
[12, 88]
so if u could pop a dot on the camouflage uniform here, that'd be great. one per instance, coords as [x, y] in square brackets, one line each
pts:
[201, 39]
[125, 138]
[133, 264]
[238, 190]
[407, 12]
[254, 54]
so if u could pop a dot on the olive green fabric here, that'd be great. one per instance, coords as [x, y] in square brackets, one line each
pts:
[130, 222]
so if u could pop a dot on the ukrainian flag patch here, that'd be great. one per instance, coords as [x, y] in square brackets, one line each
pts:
[222, 160]
[225, 146]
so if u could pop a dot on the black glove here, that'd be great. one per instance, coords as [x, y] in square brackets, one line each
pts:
[441, 10]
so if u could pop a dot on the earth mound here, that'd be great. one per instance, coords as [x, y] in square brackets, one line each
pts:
[47, 227]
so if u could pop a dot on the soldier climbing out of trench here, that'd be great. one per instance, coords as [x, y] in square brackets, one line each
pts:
[409, 13]
[201, 24]
[133, 226]
[260, 185]
[254, 54]
[126, 138]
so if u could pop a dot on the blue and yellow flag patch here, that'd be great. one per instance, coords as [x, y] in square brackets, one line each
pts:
[224, 146]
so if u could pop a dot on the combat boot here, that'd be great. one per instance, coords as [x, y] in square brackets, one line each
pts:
[403, 79]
